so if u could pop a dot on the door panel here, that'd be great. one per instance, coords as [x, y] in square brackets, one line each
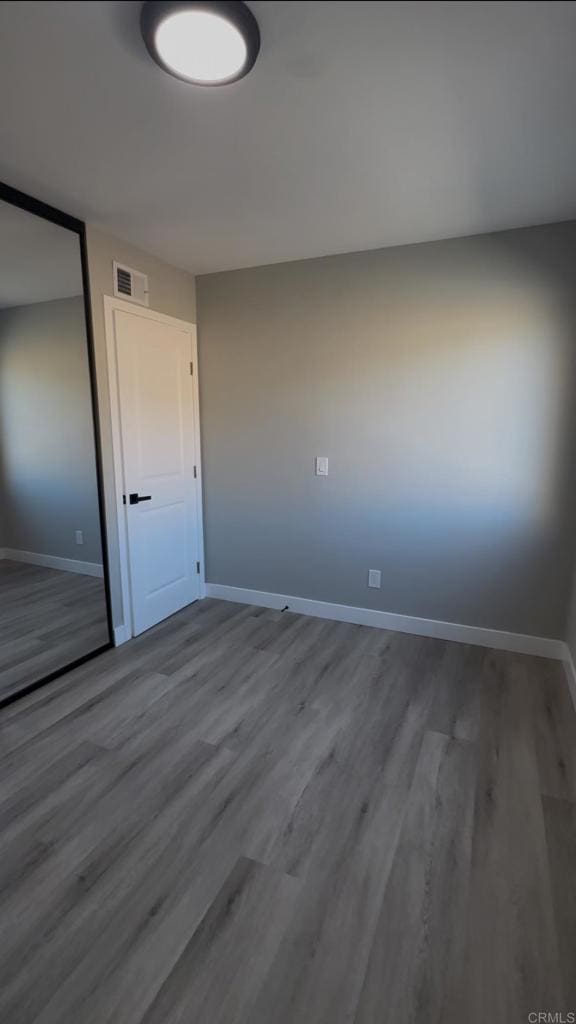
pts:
[157, 432]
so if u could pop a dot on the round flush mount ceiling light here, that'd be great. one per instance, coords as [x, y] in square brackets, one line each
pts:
[202, 43]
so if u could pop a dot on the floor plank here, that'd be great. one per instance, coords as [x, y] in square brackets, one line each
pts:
[247, 815]
[560, 819]
[512, 962]
[48, 619]
[421, 929]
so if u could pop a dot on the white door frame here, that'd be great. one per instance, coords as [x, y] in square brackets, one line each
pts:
[111, 305]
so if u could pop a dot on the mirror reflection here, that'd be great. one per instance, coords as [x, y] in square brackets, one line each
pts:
[52, 592]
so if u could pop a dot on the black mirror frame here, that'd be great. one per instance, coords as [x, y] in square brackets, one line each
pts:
[64, 220]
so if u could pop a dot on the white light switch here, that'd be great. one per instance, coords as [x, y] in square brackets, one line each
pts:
[374, 578]
[79, 537]
[321, 465]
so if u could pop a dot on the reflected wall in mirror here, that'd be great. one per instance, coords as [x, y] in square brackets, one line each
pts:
[53, 595]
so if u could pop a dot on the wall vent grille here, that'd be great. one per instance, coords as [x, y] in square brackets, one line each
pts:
[130, 284]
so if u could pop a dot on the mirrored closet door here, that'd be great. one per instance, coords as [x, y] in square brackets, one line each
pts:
[54, 607]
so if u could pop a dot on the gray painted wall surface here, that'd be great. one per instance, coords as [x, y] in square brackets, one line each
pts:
[570, 631]
[171, 292]
[47, 465]
[438, 379]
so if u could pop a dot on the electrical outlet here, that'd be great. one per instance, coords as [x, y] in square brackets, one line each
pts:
[321, 465]
[79, 537]
[375, 578]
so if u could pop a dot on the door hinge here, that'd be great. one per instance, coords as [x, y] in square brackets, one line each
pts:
[191, 369]
[195, 474]
[198, 567]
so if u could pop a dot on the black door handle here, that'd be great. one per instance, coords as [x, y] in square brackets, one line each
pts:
[134, 499]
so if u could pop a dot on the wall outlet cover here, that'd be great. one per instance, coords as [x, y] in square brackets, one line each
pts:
[375, 578]
[321, 465]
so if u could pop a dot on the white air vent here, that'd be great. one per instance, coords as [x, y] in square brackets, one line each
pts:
[130, 284]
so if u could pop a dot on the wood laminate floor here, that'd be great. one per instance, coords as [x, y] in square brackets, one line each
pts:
[253, 817]
[48, 618]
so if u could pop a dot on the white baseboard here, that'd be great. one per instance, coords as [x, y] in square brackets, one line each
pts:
[121, 635]
[570, 673]
[519, 642]
[54, 562]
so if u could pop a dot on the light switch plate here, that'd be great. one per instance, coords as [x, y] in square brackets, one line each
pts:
[321, 465]
[79, 537]
[375, 578]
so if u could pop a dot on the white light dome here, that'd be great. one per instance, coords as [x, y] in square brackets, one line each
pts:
[203, 43]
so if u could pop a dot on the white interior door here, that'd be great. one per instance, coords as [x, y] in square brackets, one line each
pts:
[157, 425]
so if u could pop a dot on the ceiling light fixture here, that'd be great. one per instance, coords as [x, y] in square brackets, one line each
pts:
[202, 43]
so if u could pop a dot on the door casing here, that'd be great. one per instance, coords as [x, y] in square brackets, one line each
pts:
[123, 630]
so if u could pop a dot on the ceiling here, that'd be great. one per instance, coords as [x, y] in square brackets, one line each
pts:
[361, 125]
[39, 261]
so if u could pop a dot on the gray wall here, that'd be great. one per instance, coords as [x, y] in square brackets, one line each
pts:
[571, 628]
[47, 468]
[570, 632]
[171, 292]
[439, 380]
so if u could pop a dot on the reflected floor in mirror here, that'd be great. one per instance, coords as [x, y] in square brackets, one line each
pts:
[48, 618]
